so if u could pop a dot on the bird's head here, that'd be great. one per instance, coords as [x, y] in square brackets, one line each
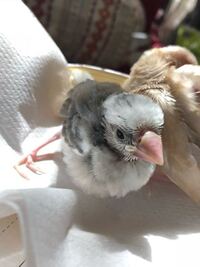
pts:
[132, 127]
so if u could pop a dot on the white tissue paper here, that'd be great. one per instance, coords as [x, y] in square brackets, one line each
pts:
[43, 221]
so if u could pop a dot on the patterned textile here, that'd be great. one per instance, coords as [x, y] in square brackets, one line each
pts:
[90, 31]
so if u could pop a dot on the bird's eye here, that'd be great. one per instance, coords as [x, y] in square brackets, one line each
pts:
[120, 134]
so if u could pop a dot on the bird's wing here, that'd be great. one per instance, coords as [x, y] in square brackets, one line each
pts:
[152, 67]
[77, 111]
[155, 75]
[181, 136]
[82, 113]
[185, 86]
[71, 124]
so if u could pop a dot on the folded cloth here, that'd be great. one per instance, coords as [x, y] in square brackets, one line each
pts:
[44, 222]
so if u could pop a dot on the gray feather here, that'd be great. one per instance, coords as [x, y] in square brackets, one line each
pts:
[84, 108]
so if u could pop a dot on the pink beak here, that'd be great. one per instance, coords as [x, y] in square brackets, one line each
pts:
[150, 148]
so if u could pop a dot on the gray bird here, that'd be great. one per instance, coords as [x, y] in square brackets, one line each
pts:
[111, 139]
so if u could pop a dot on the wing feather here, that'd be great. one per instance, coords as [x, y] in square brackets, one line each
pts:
[156, 76]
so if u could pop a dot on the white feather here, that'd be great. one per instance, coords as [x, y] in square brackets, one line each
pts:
[109, 177]
[130, 110]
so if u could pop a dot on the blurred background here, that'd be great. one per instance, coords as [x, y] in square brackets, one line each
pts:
[113, 33]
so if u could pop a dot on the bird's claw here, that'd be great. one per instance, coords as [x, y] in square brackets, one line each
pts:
[31, 166]
[30, 159]
[29, 162]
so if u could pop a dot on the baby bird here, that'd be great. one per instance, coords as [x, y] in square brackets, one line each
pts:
[158, 74]
[111, 139]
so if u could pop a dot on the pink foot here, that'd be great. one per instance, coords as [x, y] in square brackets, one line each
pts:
[31, 158]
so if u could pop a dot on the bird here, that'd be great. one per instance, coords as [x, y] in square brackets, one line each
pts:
[170, 77]
[111, 140]
[111, 143]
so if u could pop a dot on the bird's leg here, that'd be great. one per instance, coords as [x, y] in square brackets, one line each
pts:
[32, 157]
